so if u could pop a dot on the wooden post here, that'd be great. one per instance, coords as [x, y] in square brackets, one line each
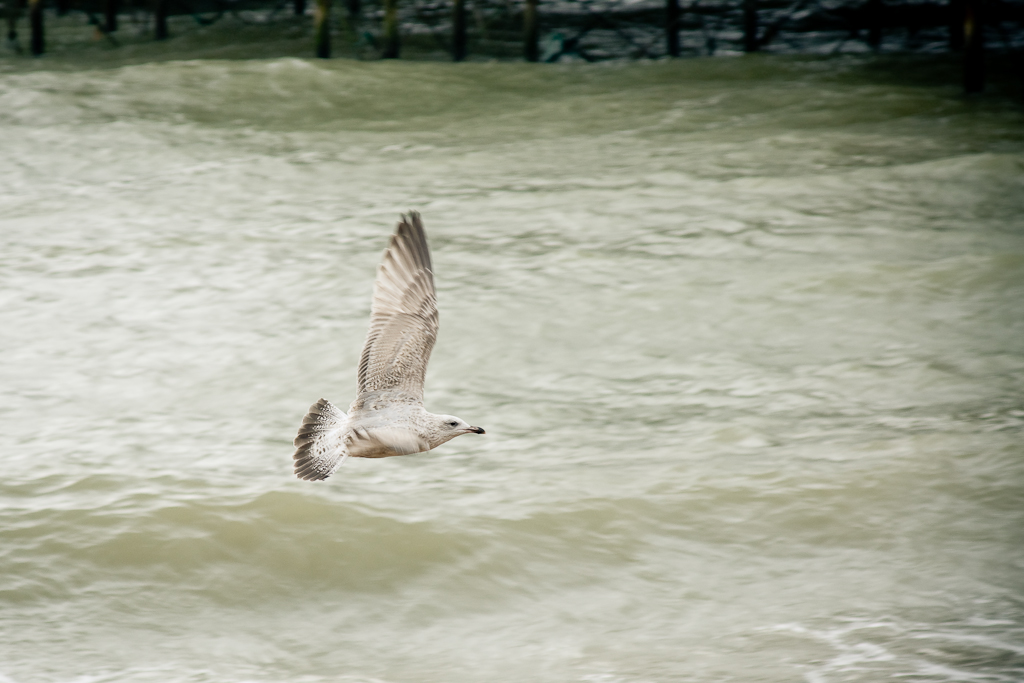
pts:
[974, 47]
[392, 48]
[874, 12]
[672, 27]
[299, 7]
[353, 22]
[110, 8]
[35, 17]
[322, 29]
[750, 26]
[458, 30]
[531, 31]
[957, 11]
[160, 19]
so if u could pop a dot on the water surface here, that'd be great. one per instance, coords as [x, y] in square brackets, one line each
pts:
[746, 337]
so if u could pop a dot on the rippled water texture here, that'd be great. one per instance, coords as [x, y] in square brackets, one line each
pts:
[747, 338]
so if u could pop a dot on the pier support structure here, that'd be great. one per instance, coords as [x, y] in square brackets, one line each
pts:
[160, 20]
[322, 29]
[957, 12]
[110, 9]
[874, 21]
[458, 30]
[672, 27]
[974, 46]
[392, 47]
[35, 18]
[750, 42]
[531, 31]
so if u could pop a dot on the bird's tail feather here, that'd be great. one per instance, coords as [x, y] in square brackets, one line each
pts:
[320, 446]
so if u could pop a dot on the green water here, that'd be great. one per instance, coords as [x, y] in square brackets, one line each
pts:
[746, 335]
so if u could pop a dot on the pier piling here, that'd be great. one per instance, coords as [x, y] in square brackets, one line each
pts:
[750, 43]
[672, 27]
[110, 8]
[531, 31]
[458, 30]
[392, 46]
[957, 12]
[322, 29]
[974, 46]
[874, 21]
[160, 20]
[35, 17]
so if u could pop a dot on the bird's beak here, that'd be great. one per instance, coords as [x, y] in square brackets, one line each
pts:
[477, 430]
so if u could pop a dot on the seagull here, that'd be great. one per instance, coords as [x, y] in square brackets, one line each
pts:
[387, 418]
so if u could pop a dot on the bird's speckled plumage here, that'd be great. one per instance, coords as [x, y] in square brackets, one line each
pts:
[387, 418]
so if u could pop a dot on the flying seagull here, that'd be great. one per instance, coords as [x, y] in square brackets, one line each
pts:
[387, 418]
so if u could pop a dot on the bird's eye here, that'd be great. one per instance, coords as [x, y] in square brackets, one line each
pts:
[454, 424]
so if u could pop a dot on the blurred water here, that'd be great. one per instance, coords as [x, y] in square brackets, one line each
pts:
[745, 335]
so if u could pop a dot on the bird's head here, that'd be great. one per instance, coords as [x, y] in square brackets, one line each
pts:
[447, 427]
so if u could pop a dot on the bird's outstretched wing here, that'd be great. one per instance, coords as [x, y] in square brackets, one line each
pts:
[403, 321]
[320, 446]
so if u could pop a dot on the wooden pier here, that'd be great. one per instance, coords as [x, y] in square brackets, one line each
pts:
[549, 31]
